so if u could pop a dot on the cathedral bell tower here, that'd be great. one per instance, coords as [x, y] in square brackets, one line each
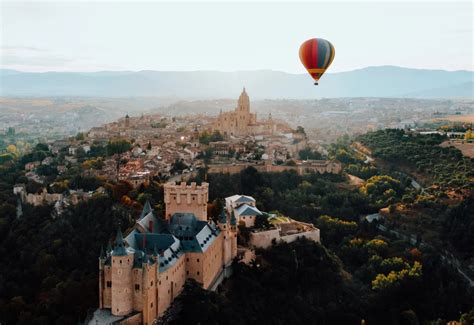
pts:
[244, 102]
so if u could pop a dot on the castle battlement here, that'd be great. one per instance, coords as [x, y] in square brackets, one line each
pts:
[186, 198]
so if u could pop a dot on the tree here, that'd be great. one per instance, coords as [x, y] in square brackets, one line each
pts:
[118, 147]
[382, 190]
[307, 154]
[178, 166]
[80, 136]
[300, 130]
[333, 230]
[11, 149]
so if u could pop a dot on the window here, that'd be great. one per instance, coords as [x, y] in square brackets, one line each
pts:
[187, 272]
[198, 260]
[137, 287]
[197, 272]
[151, 305]
[151, 284]
[109, 284]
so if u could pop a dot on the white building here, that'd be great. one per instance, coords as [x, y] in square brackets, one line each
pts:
[244, 209]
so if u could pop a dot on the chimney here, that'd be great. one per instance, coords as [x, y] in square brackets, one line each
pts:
[150, 225]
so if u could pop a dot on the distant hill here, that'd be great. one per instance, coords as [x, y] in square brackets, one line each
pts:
[384, 81]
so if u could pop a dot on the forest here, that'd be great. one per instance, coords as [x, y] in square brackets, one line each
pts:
[49, 266]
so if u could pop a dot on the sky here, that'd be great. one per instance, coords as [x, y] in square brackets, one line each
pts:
[43, 36]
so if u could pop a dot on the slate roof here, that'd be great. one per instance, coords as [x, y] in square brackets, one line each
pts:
[247, 210]
[119, 249]
[241, 198]
[166, 242]
[222, 216]
[146, 209]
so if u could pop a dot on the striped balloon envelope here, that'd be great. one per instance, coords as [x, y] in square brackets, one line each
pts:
[316, 54]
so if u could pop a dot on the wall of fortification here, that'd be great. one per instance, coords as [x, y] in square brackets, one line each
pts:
[170, 284]
[212, 261]
[187, 198]
[263, 239]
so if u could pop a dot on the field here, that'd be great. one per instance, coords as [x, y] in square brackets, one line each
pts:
[467, 149]
[469, 118]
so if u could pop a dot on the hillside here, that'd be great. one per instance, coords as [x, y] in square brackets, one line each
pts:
[384, 81]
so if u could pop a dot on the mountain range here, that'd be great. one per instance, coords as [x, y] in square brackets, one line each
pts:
[383, 81]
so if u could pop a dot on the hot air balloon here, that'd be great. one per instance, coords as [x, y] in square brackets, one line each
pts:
[316, 54]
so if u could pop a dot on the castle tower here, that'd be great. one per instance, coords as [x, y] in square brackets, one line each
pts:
[122, 263]
[233, 235]
[149, 289]
[101, 277]
[186, 199]
[224, 227]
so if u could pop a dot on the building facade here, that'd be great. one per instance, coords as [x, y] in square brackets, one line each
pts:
[144, 272]
[238, 122]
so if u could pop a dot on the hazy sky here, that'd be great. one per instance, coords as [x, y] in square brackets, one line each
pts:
[91, 36]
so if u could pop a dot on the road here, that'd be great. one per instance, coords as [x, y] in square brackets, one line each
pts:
[445, 256]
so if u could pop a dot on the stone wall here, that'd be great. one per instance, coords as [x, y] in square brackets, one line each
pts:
[186, 198]
[303, 169]
[170, 284]
[264, 239]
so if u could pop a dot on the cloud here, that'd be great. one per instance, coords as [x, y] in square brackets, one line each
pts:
[32, 58]
[35, 61]
[22, 48]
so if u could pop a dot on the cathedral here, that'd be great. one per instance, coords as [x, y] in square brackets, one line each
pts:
[145, 270]
[240, 122]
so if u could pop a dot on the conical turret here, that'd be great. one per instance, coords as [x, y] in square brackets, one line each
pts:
[102, 254]
[233, 220]
[119, 249]
[223, 217]
[146, 209]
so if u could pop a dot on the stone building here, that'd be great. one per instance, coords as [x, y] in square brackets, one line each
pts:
[144, 272]
[185, 198]
[243, 208]
[238, 122]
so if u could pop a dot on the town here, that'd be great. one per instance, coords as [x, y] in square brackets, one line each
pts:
[140, 149]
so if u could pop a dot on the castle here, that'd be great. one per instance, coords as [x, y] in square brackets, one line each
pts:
[144, 272]
[241, 122]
